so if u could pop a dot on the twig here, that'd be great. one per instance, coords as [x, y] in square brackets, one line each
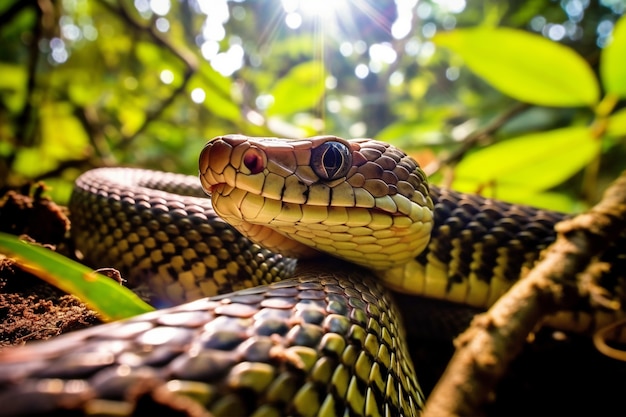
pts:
[473, 138]
[14, 10]
[81, 163]
[188, 59]
[23, 120]
[488, 346]
[89, 118]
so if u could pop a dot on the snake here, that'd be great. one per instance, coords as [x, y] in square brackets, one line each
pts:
[277, 293]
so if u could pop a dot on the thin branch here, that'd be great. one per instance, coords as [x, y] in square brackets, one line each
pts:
[89, 118]
[23, 121]
[14, 10]
[188, 59]
[82, 164]
[475, 137]
[485, 350]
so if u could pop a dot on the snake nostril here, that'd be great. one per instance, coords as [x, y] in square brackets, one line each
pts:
[254, 160]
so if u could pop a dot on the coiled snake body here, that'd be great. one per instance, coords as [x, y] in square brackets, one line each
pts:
[328, 341]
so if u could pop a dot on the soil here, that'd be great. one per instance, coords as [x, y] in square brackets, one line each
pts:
[562, 375]
[32, 309]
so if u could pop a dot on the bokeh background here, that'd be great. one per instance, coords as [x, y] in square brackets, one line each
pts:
[145, 83]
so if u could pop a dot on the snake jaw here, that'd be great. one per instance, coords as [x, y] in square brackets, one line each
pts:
[276, 241]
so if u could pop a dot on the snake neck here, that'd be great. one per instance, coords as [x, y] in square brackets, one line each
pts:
[478, 248]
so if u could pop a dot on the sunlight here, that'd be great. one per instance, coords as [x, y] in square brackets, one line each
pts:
[313, 8]
[166, 76]
[293, 20]
[160, 7]
[404, 22]
[297, 10]
[198, 95]
[451, 6]
[331, 14]
[320, 8]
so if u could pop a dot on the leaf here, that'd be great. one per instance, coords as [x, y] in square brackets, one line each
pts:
[617, 124]
[412, 134]
[219, 100]
[301, 89]
[214, 80]
[537, 161]
[613, 61]
[101, 293]
[222, 106]
[12, 84]
[131, 118]
[13, 76]
[525, 66]
[63, 138]
[550, 200]
[556, 201]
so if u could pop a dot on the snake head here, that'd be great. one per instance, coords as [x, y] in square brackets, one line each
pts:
[361, 200]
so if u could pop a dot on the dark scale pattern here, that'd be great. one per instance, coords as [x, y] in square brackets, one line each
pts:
[509, 237]
[183, 250]
[321, 344]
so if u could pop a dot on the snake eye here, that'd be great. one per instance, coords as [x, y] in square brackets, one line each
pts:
[331, 160]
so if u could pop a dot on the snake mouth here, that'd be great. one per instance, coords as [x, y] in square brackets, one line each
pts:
[215, 188]
[209, 183]
[234, 205]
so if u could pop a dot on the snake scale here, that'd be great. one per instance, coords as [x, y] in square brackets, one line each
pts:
[328, 341]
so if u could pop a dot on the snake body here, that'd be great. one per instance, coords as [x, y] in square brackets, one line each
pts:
[326, 342]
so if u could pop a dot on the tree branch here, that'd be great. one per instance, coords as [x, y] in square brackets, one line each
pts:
[485, 350]
[189, 60]
[15, 9]
[473, 138]
[44, 15]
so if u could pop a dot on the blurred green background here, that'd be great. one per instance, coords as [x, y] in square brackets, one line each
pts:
[86, 83]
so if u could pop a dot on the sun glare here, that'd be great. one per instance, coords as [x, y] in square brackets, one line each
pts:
[342, 20]
[319, 8]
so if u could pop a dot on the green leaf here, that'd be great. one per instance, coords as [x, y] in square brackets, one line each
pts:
[407, 134]
[613, 61]
[525, 66]
[131, 118]
[101, 293]
[301, 89]
[214, 80]
[219, 100]
[12, 82]
[63, 138]
[536, 161]
[549, 200]
[617, 124]
[221, 106]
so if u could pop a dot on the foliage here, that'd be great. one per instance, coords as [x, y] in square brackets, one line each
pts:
[535, 70]
[101, 293]
[146, 83]
[527, 67]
